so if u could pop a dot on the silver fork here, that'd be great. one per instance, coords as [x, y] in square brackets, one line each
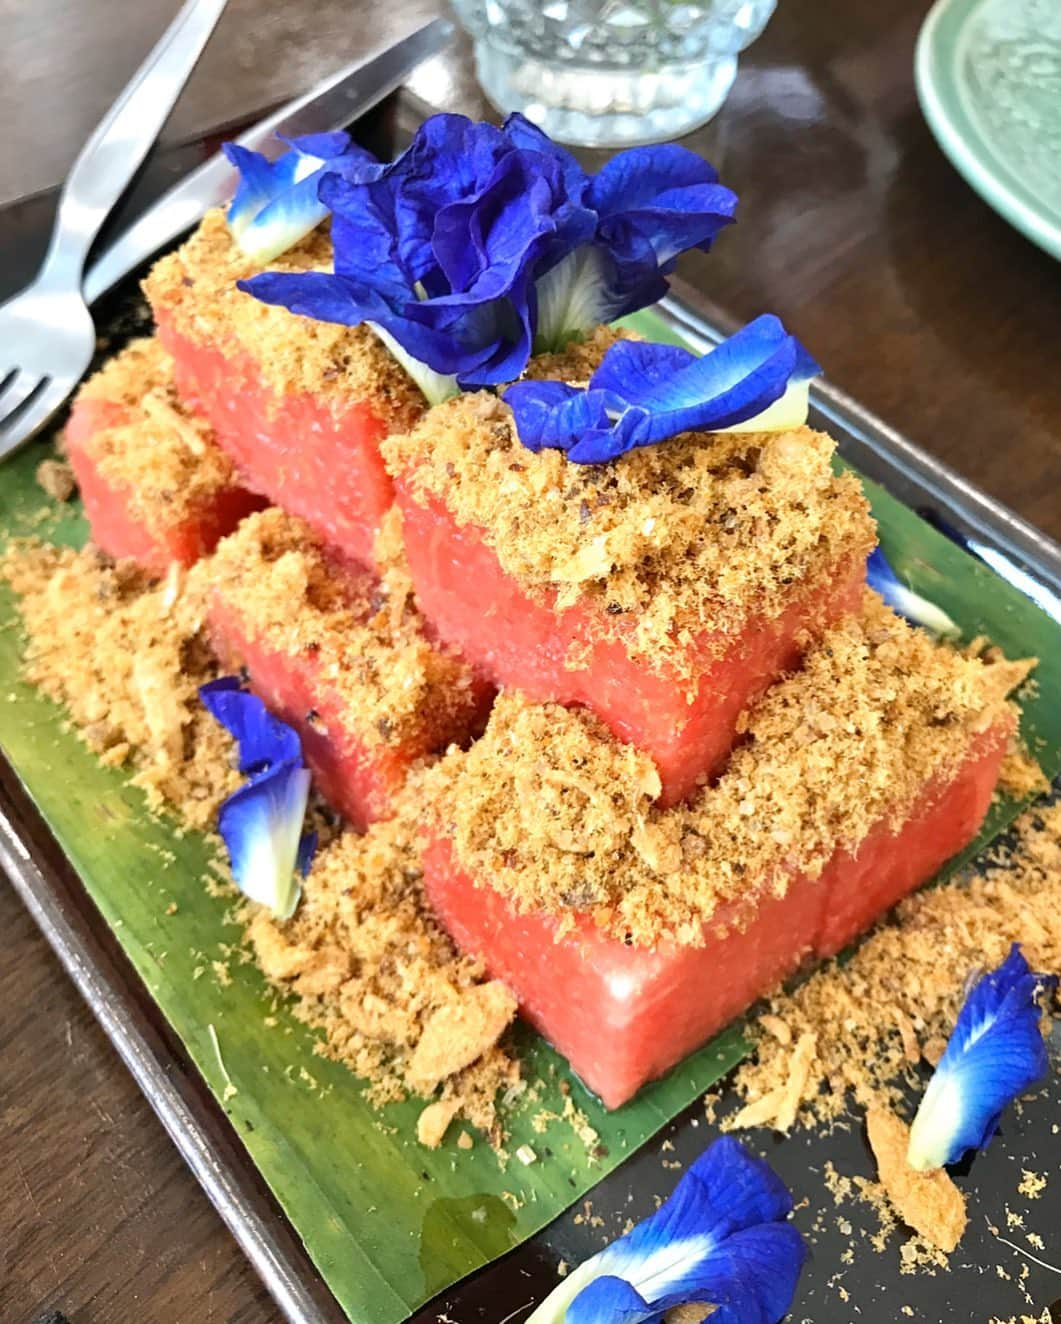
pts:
[47, 336]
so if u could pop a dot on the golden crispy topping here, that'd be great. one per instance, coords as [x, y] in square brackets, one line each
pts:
[164, 459]
[457, 1034]
[127, 656]
[398, 1004]
[555, 813]
[56, 478]
[368, 638]
[928, 1201]
[699, 535]
[194, 291]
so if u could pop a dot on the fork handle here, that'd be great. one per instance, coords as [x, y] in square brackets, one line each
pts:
[125, 135]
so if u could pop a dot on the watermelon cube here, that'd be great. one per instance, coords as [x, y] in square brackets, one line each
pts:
[665, 592]
[631, 934]
[623, 1015]
[299, 406]
[891, 863]
[154, 484]
[340, 656]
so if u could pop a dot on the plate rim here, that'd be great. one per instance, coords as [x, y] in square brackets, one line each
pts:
[1035, 224]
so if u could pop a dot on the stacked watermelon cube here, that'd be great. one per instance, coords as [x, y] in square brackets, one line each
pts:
[714, 755]
[155, 485]
[697, 611]
[299, 406]
[341, 657]
[631, 934]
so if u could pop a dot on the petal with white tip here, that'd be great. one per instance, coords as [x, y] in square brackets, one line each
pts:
[262, 822]
[721, 1239]
[902, 599]
[276, 203]
[994, 1054]
[643, 393]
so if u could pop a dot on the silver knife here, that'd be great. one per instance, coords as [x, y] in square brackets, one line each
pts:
[333, 104]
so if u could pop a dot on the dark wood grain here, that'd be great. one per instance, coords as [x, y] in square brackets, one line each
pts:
[62, 63]
[854, 228]
[99, 1216]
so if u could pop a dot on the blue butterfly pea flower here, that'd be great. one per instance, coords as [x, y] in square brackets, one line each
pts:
[441, 249]
[478, 245]
[722, 1239]
[276, 203]
[651, 204]
[261, 823]
[263, 740]
[912, 606]
[995, 1053]
[643, 393]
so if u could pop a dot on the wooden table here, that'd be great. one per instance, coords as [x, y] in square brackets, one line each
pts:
[854, 228]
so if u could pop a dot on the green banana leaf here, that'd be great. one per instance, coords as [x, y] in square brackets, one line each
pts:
[388, 1223]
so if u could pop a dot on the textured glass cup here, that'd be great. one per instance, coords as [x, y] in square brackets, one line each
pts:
[604, 73]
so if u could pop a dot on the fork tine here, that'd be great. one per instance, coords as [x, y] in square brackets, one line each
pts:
[13, 435]
[18, 390]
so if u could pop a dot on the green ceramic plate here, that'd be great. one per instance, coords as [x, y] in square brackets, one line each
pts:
[988, 78]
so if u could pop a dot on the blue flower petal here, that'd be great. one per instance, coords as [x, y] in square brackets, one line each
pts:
[918, 610]
[665, 194]
[610, 1300]
[261, 824]
[724, 1192]
[721, 1239]
[548, 414]
[263, 739]
[460, 236]
[635, 179]
[329, 147]
[520, 132]
[276, 203]
[255, 188]
[645, 393]
[440, 249]
[652, 203]
[732, 383]
[319, 295]
[639, 370]
[995, 1053]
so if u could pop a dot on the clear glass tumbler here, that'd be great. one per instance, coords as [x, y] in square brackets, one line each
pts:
[605, 73]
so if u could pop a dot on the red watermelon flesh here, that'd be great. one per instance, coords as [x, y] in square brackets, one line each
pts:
[524, 645]
[158, 540]
[318, 462]
[358, 781]
[318, 642]
[890, 865]
[625, 1015]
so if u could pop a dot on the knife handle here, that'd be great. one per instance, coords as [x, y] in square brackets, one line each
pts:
[334, 104]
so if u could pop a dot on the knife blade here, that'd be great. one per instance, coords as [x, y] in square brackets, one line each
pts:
[332, 104]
